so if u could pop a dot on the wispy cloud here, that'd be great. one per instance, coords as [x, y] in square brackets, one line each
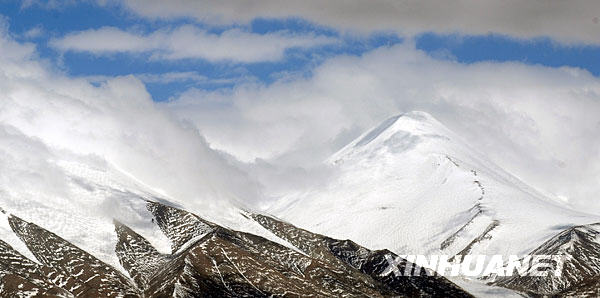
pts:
[189, 78]
[34, 32]
[170, 77]
[157, 78]
[190, 42]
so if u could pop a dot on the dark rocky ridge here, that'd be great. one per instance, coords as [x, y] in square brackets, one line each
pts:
[346, 253]
[588, 287]
[70, 267]
[207, 260]
[20, 276]
[581, 270]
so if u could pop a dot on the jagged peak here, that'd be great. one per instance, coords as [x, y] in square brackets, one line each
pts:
[80, 272]
[569, 237]
[224, 263]
[580, 247]
[137, 255]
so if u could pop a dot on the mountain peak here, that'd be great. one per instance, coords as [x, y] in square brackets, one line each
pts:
[451, 199]
[412, 122]
[397, 134]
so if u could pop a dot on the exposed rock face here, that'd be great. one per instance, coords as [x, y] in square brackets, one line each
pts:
[178, 225]
[20, 276]
[208, 260]
[70, 267]
[137, 255]
[232, 263]
[348, 254]
[580, 245]
[589, 287]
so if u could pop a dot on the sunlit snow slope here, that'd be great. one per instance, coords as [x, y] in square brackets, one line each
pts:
[413, 186]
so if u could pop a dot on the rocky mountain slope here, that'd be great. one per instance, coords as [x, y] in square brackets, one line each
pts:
[62, 265]
[207, 260]
[580, 274]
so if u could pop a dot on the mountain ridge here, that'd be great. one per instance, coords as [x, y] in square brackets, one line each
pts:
[407, 186]
[215, 262]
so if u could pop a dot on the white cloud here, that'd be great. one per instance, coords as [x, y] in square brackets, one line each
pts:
[540, 123]
[190, 42]
[174, 77]
[537, 122]
[116, 121]
[568, 21]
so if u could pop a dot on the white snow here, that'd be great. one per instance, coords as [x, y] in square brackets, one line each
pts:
[410, 184]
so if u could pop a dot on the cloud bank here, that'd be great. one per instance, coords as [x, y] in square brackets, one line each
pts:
[115, 121]
[537, 122]
[190, 42]
[565, 21]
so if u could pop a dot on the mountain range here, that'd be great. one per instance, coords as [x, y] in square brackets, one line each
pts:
[408, 186]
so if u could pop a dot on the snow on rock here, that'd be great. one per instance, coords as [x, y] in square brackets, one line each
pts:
[137, 255]
[21, 277]
[580, 246]
[409, 185]
[207, 260]
[349, 255]
[74, 269]
[234, 263]
[178, 225]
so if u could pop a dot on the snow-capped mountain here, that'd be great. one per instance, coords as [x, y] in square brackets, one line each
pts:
[80, 226]
[412, 186]
[76, 225]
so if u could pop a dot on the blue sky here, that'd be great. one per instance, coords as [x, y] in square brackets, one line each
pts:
[57, 22]
[494, 47]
